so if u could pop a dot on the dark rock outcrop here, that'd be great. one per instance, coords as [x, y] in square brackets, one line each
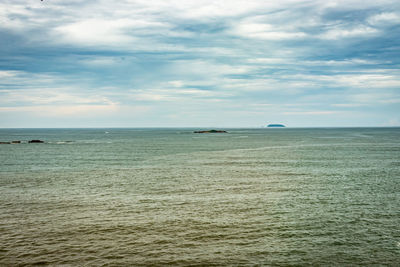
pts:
[211, 131]
[36, 141]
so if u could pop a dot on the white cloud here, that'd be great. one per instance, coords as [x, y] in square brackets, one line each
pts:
[314, 112]
[6, 74]
[345, 62]
[25, 79]
[171, 94]
[252, 28]
[207, 69]
[96, 61]
[374, 98]
[102, 31]
[269, 61]
[348, 105]
[372, 80]
[190, 53]
[176, 83]
[51, 96]
[31, 89]
[385, 18]
[367, 80]
[141, 25]
[341, 32]
[77, 111]
[63, 110]
[395, 122]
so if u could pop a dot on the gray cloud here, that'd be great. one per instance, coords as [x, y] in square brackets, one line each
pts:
[235, 58]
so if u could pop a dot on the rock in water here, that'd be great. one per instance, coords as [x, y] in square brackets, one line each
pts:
[211, 131]
[4, 143]
[36, 141]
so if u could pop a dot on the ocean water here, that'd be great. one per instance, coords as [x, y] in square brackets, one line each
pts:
[156, 197]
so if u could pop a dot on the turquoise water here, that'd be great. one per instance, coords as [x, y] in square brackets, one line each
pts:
[252, 197]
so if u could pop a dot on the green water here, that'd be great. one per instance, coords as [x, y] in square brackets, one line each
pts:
[257, 197]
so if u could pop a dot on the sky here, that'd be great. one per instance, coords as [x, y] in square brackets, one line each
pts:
[203, 63]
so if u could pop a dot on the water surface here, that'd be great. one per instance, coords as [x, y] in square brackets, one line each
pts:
[270, 197]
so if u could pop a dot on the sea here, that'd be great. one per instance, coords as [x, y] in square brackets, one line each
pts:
[172, 197]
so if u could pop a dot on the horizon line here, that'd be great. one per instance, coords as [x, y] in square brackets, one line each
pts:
[196, 127]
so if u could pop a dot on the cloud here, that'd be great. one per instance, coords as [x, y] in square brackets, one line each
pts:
[384, 19]
[97, 32]
[359, 31]
[352, 80]
[348, 105]
[265, 31]
[30, 89]
[395, 122]
[114, 32]
[375, 98]
[314, 112]
[96, 61]
[63, 110]
[230, 61]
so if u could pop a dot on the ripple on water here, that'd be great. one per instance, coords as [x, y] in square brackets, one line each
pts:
[268, 199]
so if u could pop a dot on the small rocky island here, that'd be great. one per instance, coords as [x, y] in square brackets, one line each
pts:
[211, 131]
[20, 142]
[12, 142]
[35, 141]
[276, 125]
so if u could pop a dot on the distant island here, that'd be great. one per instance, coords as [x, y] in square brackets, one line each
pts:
[211, 131]
[20, 142]
[276, 125]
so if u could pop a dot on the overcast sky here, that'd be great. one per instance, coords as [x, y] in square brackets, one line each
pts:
[165, 63]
